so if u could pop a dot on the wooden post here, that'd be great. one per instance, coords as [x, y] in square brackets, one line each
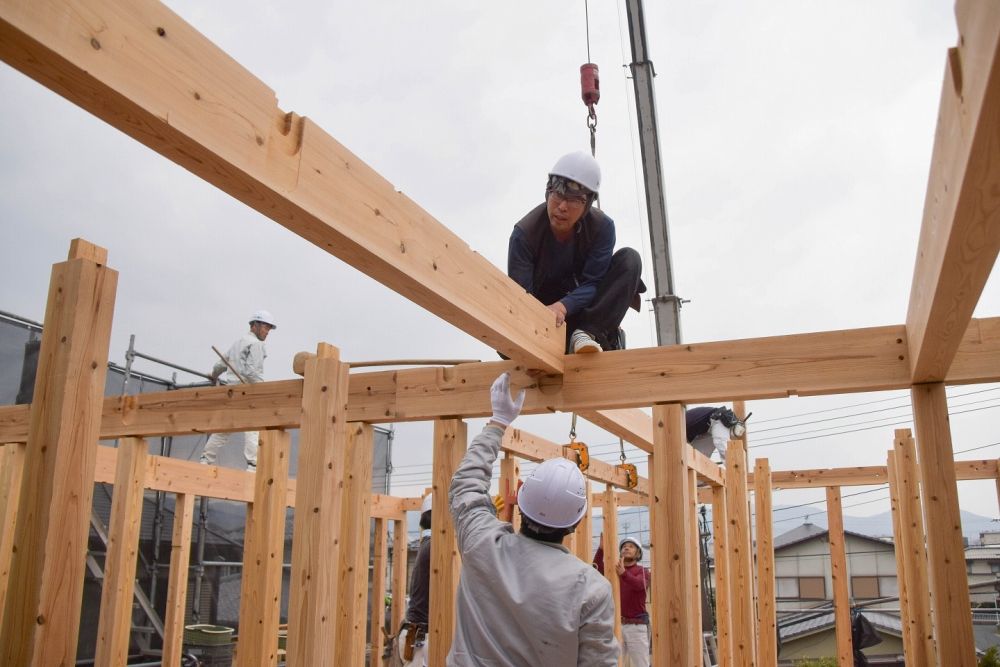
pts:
[263, 554]
[585, 533]
[180, 557]
[510, 473]
[901, 550]
[838, 572]
[767, 617]
[723, 595]
[740, 566]
[913, 548]
[671, 539]
[11, 472]
[399, 574]
[318, 504]
[356, 530]
[697, 640]
[450, 442]
[609, 540]
[381, 555]
[997, 481]
[115, 624]
[949, 584]
[41, 617]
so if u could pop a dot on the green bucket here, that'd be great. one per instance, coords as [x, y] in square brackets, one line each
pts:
[204, 634]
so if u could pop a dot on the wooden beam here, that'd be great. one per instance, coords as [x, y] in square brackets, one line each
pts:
[263, 554]
[42, 608]
[723, 581]
[671, 539]
[316, 544]
[631, 424]
[11, 472]
[399, 574]
[510, 475]
[114, 627]
[177, 578]
[175, 91]
[377, 603]
[740, 557]
[609, 542]
[767, 617]
[584, 533]
[960, 233]
[355, 525]
[450, 442]
[839, 575]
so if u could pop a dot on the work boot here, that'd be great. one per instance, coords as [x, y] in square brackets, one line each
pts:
[583, 343]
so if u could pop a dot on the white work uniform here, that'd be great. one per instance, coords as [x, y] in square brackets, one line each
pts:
[717, 437]
[520, 601]
[247, 356]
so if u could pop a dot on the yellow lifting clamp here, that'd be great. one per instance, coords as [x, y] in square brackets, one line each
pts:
[631, 475]
[582, 453]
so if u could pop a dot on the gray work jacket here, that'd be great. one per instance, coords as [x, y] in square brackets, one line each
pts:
[520, 602]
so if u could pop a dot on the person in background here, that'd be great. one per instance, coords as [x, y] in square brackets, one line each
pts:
[711, 428]
[412, 639]
[633, 584]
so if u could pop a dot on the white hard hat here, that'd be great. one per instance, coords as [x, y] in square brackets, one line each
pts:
[633, 541]
[264, 316]
[555, 495]
[580, 167]
[427, 503]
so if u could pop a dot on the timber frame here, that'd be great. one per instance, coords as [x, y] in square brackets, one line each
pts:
[143, 70]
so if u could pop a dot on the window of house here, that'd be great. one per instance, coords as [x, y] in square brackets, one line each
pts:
[812, 588]
[864, 587]
[995, 567]
[888, 587]
[787, 587]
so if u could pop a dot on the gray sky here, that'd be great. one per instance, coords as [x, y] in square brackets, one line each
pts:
[796, 138]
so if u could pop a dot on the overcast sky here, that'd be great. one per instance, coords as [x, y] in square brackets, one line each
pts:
[796, 139]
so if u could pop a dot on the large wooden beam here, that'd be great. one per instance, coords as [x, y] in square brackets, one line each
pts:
[867, 475]
[42, 608]
[143, 70]
[960, 234]
[740, 556]
[805, 364]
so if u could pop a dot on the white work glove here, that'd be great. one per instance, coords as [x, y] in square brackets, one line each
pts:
[505, 409]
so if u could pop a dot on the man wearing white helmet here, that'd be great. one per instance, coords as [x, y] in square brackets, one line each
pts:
[523, 598]
[562, 253]
[633, 581]
[411, 642]
[246, 357]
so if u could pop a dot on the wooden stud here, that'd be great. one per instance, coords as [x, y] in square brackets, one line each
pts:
[114, 627]
[263, 555]
[913, 547]
[671, 542]
[609, 541]
[355, 525]
[377, 605]
[11, 472]
[316, 544]
[45, 586]
[450, 441]
[839, 574]
[510, 475]
[902, 562]
[997, 480]
[177, 583]
[585, 533]
[697, 641]
[399, 573]
[740, 566]
[723, 581]
[767, 617]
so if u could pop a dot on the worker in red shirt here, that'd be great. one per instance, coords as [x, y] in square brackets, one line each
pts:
[633, 583]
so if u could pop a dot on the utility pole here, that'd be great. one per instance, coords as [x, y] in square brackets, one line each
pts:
[666, 304]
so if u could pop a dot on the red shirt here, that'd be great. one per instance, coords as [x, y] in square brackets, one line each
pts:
[634, 583]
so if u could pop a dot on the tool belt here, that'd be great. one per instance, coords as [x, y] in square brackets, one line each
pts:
[415, 634]
[639, 620]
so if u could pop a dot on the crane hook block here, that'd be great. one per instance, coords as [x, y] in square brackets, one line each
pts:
[590, 84]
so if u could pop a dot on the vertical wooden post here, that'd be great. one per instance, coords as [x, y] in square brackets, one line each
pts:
[949, 584]
[115, 623]
[450, 442]
[671, 539]
[399, 574]
[767, 617]
[697, 639]
[510, 473]
[838, 570]
[263, 554]
[609, 540]
[41, 617]
[585, 533]
[913, 547]
[180, 557]
[899, 536]
[569, 541]
[723, 595]
[381, 552]
[355, 525]
[740, 566]
[318, 504]
[997, 481]
[11, 472]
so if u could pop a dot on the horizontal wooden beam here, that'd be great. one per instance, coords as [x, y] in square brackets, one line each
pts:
[868, 475]
[143, 70]
[809, 364]
[631, 424]
[960, 232]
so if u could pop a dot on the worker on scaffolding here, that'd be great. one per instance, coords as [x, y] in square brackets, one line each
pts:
[411, 641]
[634, 581]
[523, 598]
[711, 428]
[562, 253]
[243, 363]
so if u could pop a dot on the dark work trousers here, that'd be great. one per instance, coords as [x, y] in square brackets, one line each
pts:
[605, 313]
